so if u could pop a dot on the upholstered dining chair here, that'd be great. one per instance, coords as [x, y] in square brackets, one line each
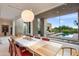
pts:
[16, 50]
[22, 49]
[19, 52]
[72, 51]
[11, 47]
[78, 52]
[37, 37]
[45, 39]
[31, 35]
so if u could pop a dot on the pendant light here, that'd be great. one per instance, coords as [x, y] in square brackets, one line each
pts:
[27, 16]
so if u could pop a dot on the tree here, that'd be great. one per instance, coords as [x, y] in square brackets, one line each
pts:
[64, 29]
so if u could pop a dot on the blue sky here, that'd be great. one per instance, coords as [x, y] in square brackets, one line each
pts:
[67, 20]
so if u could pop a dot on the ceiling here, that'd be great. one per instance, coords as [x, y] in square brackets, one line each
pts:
[64, 9]
[13, 11]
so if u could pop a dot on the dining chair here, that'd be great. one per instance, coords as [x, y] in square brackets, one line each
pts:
[45, 39]
[31, 35]
[22, 49]
[37, 37]
[16, 50]
[19, 52]
[72, 51]
[78, 52]
[11, 47]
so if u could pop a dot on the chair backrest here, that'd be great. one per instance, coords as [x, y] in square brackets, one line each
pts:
[72, 51]
[45, 39]
[18, 52]
[78, 53]
[37, 37]
[12, 47]
[31, 36]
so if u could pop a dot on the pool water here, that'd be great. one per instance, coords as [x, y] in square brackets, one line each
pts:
[70, 35]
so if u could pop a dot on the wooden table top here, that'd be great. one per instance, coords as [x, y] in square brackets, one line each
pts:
[46, 48]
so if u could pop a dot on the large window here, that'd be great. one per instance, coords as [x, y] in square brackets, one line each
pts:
[65, 24]
[68, 23]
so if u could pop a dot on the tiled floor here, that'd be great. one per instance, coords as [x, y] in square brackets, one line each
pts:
[4, 46]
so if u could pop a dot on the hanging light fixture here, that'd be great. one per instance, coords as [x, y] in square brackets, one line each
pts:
[27, 16]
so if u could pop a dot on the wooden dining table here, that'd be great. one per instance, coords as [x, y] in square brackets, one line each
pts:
[39, 47]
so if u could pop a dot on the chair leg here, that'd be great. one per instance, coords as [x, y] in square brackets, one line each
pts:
[11, 53]
[9, 49]
[77, 53]
[71, 51]
[62, 51]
